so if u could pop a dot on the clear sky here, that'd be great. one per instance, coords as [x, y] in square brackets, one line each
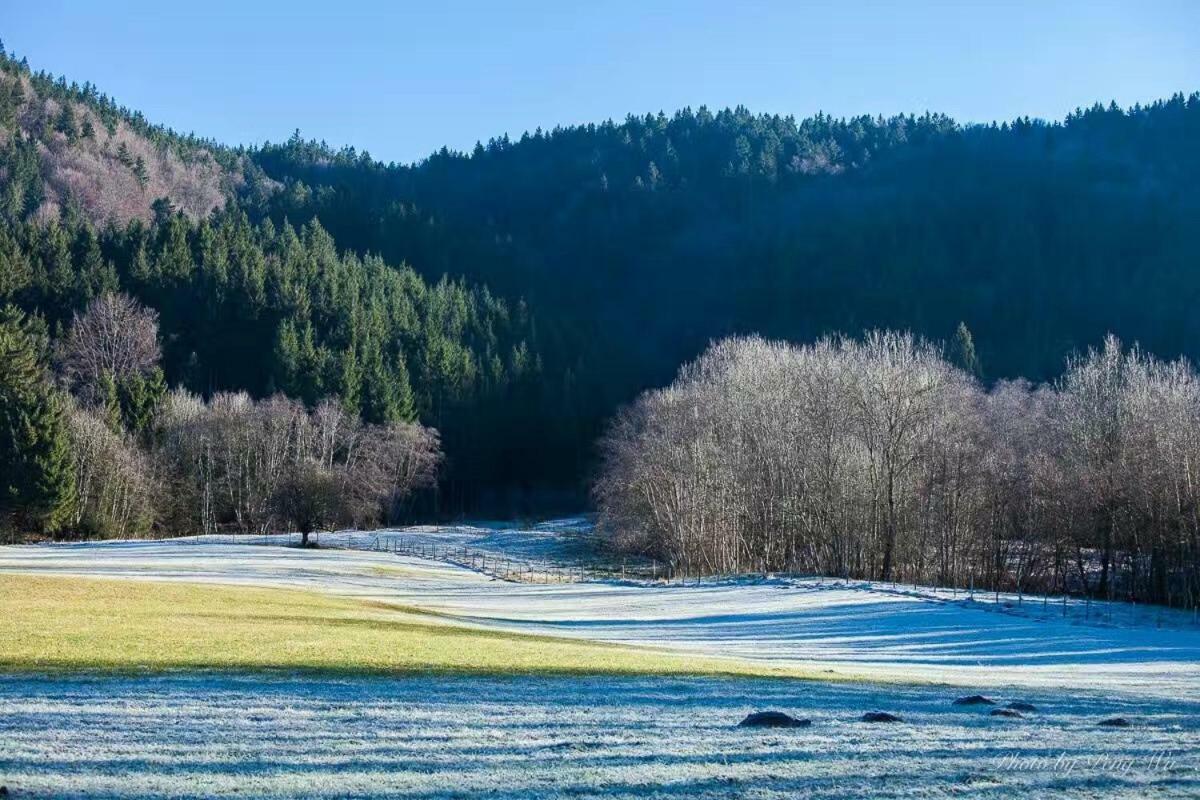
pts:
[402, 79]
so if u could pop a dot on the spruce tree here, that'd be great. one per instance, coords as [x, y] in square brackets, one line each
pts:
[406, 407]
[287, 358]
[140, 172]
[963, 351]
[65, 123]
[36, 471]
[130, 403]
[379, 391]
[350, 383]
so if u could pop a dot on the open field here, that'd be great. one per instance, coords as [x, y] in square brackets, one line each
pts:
[188, 668]
[70, 624]
[826, 628]
[193, 736]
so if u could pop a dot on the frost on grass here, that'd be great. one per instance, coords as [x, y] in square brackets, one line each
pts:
[229, 735]
[854, 629]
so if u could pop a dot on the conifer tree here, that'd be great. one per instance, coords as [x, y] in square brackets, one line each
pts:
[130, 402]
[406, 408]
[36, 480]
[65, 123]
[963, 351]
[380, 400]
[287, 358]
[140, 172]
[350, 382]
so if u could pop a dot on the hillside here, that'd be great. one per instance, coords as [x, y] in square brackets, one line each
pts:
[638, 242]
[94, 200]
[632, 244]
[1041, 236]
[66, 144]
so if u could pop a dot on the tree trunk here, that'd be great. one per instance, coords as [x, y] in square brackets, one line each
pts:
[889, 545]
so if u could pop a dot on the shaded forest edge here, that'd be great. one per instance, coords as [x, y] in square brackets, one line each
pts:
[514, 297]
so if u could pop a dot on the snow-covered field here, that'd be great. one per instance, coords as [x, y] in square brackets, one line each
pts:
[243, 736]
[830, 627]
[212, 735]
[563, 542]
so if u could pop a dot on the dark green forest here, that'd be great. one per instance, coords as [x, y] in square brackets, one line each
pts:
[515, 296]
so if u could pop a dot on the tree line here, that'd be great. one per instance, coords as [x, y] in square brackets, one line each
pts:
[885, 458]
[633, 244]
[93, 444]
[266, 310]
[639, 241]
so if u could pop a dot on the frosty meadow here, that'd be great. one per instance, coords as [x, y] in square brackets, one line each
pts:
[217, 666]
[686, 399]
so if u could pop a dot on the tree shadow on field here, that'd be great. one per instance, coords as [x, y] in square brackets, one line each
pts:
[429, 737]
[898, 630]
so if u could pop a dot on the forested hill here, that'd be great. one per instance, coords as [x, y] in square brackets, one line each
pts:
[636, 243]
[96, 200]
[661, 232]
[69, 148]
[632, 244]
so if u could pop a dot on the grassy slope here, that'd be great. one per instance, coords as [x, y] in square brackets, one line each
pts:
[62, 623]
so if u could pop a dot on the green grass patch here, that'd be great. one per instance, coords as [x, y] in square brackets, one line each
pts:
[53, 624]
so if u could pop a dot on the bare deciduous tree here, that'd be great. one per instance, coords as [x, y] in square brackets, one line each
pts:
[115, 485]
[267, 465]
[878, 458]
[114, 338]
[309, 498]
[384, 465]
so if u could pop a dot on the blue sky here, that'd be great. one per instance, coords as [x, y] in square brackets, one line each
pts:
[402, 79]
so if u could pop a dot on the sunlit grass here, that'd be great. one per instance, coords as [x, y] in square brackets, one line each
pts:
[52, 624]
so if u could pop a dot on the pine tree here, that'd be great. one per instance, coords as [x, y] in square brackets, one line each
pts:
[174, 254]
[138, 400]
[36, 473]
[162, 208]
[96, 275]
[312, 367]
[10, 101]
[123, 155]
[378, 391]
[386, 392]
[287, 358]
[14, 266]
[406, 407]
[350, 383]
[65, 123]
[57, 280]
[110, 405]
[140, 172]
[963, 351]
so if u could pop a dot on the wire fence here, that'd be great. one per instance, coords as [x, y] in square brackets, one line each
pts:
[501, 566]
[509, 568]
[546, 570]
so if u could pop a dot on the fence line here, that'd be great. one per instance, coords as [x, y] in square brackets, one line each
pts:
[502, 567]
[508, 568]
[546, 571]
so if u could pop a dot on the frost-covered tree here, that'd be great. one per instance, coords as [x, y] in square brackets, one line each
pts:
[878, 458]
